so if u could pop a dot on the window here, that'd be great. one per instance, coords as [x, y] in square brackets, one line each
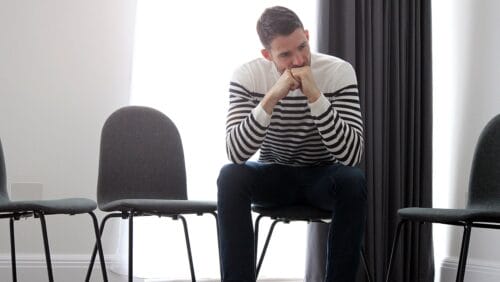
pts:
[184, 55]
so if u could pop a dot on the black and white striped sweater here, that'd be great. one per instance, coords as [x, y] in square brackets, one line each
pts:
[297, 133]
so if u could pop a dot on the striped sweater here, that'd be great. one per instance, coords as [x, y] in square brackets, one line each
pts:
[297, 133]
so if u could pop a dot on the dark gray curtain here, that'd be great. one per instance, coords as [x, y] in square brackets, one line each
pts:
[389, 45]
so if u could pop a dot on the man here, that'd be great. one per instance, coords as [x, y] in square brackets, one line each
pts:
[302, 111]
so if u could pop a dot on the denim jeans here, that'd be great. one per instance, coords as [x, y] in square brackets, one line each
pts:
[335, 187]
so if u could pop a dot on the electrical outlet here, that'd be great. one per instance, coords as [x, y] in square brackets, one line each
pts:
[26, 191]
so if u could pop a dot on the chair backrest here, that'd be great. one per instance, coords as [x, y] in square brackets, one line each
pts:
[4, 196]
[484, 182]
[141, 157]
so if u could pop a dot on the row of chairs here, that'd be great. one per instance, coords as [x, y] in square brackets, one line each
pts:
[142, 173]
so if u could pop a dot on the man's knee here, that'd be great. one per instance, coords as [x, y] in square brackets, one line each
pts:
[232, 178]
[351, 184]
[230, 174]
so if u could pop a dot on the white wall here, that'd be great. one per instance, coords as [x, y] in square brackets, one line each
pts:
[466, 41]
[64, 67]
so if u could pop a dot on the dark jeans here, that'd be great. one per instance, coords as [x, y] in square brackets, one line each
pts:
[336, 187]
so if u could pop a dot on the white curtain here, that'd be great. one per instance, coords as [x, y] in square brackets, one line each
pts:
[184, 55]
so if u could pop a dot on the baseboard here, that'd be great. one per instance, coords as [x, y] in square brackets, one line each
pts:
[211, 280]
[475, 271]
[74, 268]
[65, 267]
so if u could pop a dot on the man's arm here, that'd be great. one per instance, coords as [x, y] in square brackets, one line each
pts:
[339, 122]
[280, 89]
[247, 122]
[245, 125]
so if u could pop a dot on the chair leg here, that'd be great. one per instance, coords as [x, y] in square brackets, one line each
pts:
[463, 252]
[261, 259]
[188, 246]
[394, 247]
[131, 247]
[218, 241]
[13, 250]
[256, 236]
[365, 265]
[94, 252]
[99, 246]
[46, 246]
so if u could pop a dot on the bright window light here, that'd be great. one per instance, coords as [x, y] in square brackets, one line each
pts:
[184, 55]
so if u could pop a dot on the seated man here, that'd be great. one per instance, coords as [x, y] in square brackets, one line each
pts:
[302, 111]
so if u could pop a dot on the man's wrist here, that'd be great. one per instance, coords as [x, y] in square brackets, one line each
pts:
[268, 103]
[313, 97]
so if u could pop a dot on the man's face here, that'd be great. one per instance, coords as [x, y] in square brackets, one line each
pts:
[290, 51]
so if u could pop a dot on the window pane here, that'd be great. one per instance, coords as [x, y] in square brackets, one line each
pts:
[184, 55]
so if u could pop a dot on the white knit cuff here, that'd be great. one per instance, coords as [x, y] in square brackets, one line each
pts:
[260, 115]
[321, 105]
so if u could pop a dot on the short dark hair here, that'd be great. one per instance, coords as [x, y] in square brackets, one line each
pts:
[276, 21]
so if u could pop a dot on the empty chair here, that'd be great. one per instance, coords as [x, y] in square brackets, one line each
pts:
[14, 210]
[142, 173]
[287, 214]
[483, 206]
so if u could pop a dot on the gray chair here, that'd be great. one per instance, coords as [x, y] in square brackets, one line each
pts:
[287, 214]
[15, 210]
[142, 173]
[483, 207]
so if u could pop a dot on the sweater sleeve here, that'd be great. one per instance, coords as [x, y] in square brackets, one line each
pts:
[247, 121]
[338, 118]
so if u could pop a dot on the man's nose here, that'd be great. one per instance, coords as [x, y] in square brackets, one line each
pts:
[298, 61]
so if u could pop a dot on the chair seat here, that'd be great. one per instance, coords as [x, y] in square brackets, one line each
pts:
[59, 206]
[297, 212]
[160, 206]
[449, 215]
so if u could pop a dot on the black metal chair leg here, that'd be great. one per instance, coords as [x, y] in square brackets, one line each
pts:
[94, 252]
[131, 247]
[218, 241]
[463, 252]
[99, 246]
[256, 236]
[261, 259]
[285, 219]
[365, 265]
[13, 250]
[188, 245]
[46, 246]
[394, 248]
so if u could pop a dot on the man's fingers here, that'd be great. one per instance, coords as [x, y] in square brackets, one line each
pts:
[291, 74]
[295, 80]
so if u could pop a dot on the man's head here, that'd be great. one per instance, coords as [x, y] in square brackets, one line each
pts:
[276, 21]
[285, 41]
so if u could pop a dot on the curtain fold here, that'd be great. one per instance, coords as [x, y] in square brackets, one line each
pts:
[389, 45]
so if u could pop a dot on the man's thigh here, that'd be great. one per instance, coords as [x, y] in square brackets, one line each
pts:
[323, 185]
[274, 184]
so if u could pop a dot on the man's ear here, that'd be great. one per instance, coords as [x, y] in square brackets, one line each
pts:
[266, 54]
[307, 33]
